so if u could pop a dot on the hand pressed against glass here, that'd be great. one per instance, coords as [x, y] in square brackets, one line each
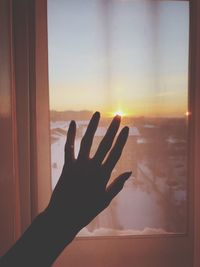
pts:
[82, 192]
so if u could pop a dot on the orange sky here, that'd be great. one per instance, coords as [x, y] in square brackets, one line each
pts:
[130, 56]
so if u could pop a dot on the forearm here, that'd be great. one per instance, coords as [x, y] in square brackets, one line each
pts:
[41, 243]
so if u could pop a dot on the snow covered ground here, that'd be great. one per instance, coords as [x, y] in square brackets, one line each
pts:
[140, 208]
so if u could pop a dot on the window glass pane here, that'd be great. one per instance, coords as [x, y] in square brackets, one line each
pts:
[128, 57]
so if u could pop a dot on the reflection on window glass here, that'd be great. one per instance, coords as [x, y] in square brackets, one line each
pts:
[128, 57]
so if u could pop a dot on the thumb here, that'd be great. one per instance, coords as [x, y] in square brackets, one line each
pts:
[116, 186]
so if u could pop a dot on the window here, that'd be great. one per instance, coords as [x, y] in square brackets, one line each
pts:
[162, 250]
[147, 250]
[131, 57]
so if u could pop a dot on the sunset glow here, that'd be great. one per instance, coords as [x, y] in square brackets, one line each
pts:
[119, 112]
[125, 58]
[104, 61]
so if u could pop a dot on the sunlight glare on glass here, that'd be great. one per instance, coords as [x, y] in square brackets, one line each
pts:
[119, 113]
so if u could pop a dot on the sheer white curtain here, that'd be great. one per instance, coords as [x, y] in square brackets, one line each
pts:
[132, 57]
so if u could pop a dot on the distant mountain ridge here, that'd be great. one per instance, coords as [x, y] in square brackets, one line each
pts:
[70, 115]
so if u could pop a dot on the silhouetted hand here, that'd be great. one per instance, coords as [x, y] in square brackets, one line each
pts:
[82, 192]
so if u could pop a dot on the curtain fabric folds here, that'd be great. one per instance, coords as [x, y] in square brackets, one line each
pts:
[25, 185]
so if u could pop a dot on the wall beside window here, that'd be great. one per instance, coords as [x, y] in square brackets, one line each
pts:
[24, 162]
[8, 167]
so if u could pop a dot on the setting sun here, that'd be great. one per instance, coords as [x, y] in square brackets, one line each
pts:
[119, 112]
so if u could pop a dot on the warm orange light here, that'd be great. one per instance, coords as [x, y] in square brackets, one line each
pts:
[188, 113]
[119, 112]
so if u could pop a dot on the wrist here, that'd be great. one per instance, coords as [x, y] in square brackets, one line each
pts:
[58, 225]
